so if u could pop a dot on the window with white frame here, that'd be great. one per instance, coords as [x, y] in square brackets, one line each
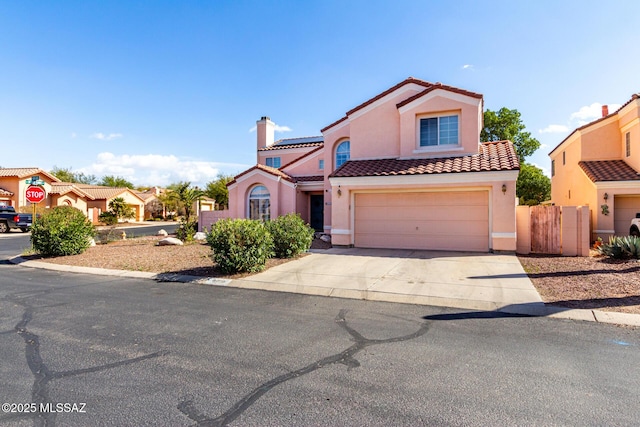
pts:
[274, 162]
[441, 130]
[260, 203]
[321, 164]
[343, 153]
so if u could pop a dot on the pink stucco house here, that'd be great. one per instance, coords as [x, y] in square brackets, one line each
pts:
[598, 165]
[405, 169]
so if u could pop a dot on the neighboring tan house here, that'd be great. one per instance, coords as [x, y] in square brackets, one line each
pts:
[405, 169]
[103, 195]
[13, 186]
[68, 194]
[598, 165]
[153, 207]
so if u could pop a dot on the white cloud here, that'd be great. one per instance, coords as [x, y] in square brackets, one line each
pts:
[468, 67]
[545, 170]
[158, 169]
[589, 113]
[73, 135]
[104, 137]
[555, 129]
[279, 128]
[276, 128]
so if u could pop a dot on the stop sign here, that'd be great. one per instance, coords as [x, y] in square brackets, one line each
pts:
[35, 194]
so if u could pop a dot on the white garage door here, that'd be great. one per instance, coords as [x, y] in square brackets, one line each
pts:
[624, 210]
[457, 220]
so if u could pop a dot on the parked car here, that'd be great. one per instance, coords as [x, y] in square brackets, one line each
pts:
[10, 219]
[635, 226]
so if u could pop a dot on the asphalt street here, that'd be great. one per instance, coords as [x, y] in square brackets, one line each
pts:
[139, 352]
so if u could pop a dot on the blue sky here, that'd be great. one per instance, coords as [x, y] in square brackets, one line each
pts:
[167, 91]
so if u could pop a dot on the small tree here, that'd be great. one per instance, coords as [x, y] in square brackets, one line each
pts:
[185, 198]
[121, 209]
[533, 186]
[218, 190]
[63, 230]
[115, 181]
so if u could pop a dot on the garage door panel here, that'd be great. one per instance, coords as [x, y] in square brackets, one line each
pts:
[433, 213]
[442, 220]
[460, 243]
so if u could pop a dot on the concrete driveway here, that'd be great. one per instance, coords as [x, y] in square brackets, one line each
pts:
[453, 279]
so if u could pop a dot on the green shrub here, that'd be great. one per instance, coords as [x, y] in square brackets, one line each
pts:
[621, 247]
[108, 218]
[240, 245]
[186, 230]
[63, 230]
[291, 236]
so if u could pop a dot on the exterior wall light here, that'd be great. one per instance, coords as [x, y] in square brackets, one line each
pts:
[606, 196]
[504, 188]
[339, 191]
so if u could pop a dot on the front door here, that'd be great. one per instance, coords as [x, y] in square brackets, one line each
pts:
[317, 211]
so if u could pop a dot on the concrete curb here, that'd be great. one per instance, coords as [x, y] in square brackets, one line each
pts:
[530, 309]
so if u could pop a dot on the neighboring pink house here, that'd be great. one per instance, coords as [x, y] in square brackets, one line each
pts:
[405, 169]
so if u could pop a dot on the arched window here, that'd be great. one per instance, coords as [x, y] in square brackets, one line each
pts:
[343, 153]
[259, 203]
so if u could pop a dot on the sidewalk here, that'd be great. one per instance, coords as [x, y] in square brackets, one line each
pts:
[470, 281]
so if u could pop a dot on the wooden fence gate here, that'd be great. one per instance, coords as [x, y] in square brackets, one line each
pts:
[545, 230]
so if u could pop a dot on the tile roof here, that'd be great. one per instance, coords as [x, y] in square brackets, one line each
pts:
[26, 172]
[100, 192]
[303, 142]
[493, 156]
[312, 178]
[609, 170]
[63, 188]
[268, 169]
[4, 192]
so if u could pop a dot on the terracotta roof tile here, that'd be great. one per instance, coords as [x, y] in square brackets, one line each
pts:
[313, 178]
[307, 141]
[439, 86]
[268, 169]
[100, 192]
[26, 172]
[63, 188]
[4, 192]
[493, 156]
[609, 170]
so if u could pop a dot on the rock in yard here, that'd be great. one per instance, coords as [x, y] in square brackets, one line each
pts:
[162, 232]
[325, 238]
[170, 241]
[200, 236]
[92, 241]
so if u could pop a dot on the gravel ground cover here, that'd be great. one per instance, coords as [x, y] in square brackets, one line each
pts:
[592, 282]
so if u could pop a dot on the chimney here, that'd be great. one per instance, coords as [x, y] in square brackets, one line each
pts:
[605, 110]
[265, 129]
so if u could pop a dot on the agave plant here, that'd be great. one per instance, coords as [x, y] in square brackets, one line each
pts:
[621, 247]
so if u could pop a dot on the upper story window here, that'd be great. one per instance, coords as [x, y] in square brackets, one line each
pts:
[627, 139]
[436, 131]
[564, 158]
[274, 162]
[321, 164]
[343, 153]
[553, 167]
